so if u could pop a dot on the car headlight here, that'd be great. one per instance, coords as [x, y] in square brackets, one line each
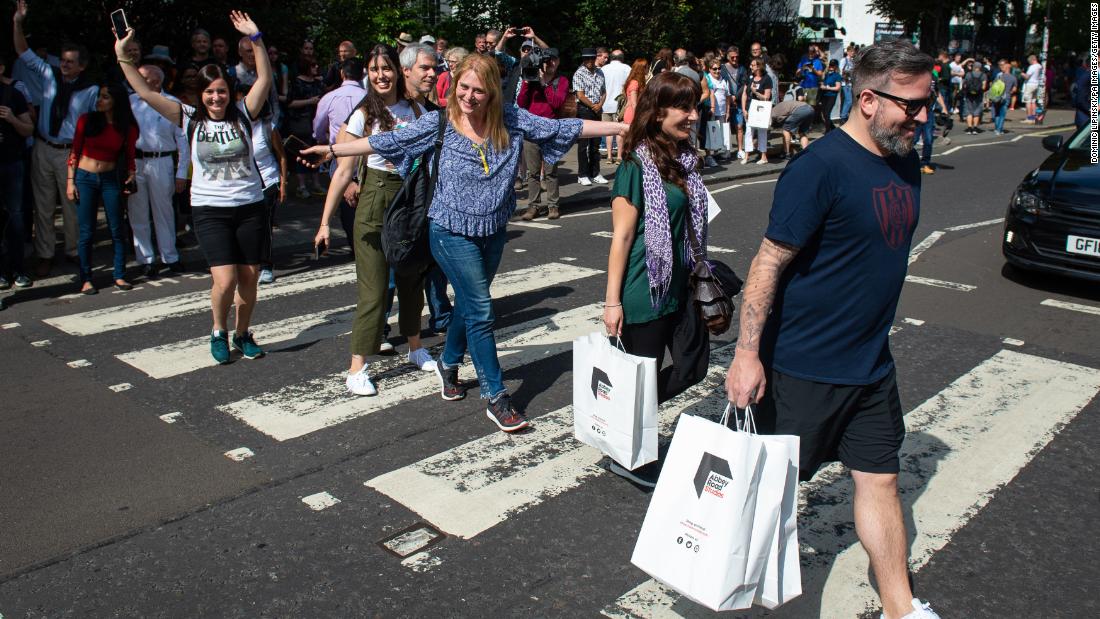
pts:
[1028, 202]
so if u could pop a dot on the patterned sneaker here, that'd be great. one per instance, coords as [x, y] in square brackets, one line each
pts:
[449, 389]
[921, 610]
[502, 413]
[247, 345]
[267, 276]
[422, 359]
[219, 347]
[359, 383]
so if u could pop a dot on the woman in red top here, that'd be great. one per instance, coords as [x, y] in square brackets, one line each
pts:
[104, 140]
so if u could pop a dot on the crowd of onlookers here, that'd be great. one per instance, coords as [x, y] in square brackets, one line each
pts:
[44, 97]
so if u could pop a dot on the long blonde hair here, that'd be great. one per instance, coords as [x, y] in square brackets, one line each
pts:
[486, 70]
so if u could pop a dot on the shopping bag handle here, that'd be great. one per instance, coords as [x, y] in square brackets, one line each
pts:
[619, 342]
[741, 424]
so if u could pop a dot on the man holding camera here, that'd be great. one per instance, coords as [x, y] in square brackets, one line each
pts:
[542, 94]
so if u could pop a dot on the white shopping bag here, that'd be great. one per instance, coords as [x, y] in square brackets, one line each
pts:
[698, 530]
[715, 139]
[614, 401]
[760, 114]
[782, 578]
[727, 138]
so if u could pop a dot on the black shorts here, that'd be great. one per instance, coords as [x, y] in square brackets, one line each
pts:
[233, 234]
[859, 425]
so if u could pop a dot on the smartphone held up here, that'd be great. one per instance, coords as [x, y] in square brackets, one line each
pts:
[119, 23]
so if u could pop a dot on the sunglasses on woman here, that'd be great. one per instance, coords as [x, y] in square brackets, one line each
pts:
[912, 106]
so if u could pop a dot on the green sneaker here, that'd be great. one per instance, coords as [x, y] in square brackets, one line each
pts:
[247, 345]
[219, 347]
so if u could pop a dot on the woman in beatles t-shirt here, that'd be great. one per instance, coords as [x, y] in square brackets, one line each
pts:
[228, 212]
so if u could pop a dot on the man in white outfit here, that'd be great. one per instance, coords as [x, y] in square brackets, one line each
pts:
[615, 74]
[157, 179]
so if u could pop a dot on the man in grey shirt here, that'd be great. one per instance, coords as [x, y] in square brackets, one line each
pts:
[1000, 104]
[683, 67]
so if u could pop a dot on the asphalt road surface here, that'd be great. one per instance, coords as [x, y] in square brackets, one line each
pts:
[138, 480]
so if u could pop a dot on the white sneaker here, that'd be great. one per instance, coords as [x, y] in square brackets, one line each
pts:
[385, 348]
[267, 276]
[599, 180]
[921, 610]
[422, 359]
[740, 154]
[584, 181]
[359, 383]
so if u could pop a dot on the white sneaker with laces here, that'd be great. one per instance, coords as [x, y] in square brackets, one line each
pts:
[921, 610]
[422, 359]
[584, 180]
[599, 180]
[359, 383]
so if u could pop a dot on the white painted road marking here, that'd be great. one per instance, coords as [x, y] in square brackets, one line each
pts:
[119, 388]
[40, 343]
[473, 487]
[173, 359]
[1012, 341]
[913, 321]
[924, 245]
[938, 283]
[146, 312]
[533, 224]
[10, 325]
[710, 248]
[299, 409]
[980, 224]
[239, 454]
[171, 417]
[962, 445]
[79, 363]
[1076, 307]
[319, 501]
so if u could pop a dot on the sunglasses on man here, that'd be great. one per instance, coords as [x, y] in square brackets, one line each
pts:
[912, 106]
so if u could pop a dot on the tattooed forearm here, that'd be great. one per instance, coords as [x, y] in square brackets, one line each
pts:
[759, 291]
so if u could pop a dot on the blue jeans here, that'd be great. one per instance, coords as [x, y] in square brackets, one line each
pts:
[470, 263]
[845, 101]
[999, 112]
[91, 187]
[439, 304]
[927, 133]
[11, 200]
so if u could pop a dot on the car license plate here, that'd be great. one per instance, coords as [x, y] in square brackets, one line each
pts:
[1083, 245]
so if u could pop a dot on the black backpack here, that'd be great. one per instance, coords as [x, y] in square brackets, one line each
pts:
[405, 222]
[973, 84]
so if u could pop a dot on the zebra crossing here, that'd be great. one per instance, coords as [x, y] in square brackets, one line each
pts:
[964, 443]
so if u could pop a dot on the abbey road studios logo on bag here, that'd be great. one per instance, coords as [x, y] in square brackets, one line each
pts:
[601, 384]
[713, 475]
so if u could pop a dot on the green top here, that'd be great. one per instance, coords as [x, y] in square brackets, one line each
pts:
[637, 307]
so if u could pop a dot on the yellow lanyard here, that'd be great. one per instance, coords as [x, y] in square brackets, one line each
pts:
[484, 162]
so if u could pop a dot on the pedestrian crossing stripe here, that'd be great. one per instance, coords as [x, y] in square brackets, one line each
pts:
[713, 249]
[961, 446]
[469, 489]
[303, 408]
[176, 358]
[147, 312]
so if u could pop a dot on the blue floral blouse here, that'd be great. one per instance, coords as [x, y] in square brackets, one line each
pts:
[474, 194]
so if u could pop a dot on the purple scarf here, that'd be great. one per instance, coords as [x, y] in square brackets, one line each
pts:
[658, 231]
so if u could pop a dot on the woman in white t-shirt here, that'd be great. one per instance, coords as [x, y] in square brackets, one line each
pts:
[229, 216]
[385, 108]
[719, 106]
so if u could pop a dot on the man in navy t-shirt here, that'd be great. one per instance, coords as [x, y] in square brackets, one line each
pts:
[821, 294]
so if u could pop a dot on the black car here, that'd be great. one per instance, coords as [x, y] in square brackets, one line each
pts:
[1053, 220]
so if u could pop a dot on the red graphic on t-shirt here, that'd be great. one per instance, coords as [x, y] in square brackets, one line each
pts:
[894, 208]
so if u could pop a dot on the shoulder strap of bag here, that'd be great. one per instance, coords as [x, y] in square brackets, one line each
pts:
[435, 155]
[696, 249]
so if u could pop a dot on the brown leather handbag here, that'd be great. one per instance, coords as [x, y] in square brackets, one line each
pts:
[707, 293]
